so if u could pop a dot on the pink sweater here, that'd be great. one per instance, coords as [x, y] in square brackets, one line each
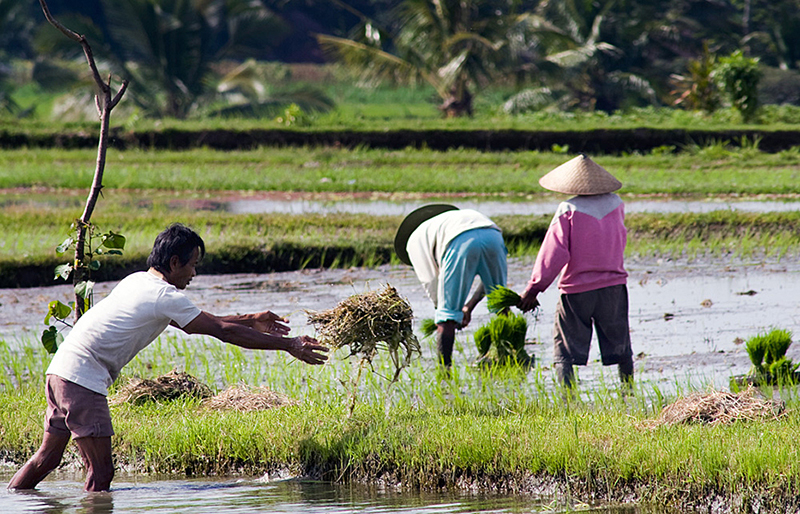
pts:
[586, 239]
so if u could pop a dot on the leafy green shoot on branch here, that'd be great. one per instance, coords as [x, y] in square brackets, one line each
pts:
[97, 245]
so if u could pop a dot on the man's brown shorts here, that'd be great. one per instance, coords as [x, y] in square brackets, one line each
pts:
[74, 410]
[605, 308]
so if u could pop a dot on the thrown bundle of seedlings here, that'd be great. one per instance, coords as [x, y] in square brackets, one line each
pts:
[368, 322]
[243, 398]
[767, 352]
[501, 298]
[718, 407]
[502, 341]
[172, 386]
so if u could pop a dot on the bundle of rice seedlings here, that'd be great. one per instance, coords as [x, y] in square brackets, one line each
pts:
[368, 322]
[243, 398]
[767, 352]
[501, 298]
[172, 386]
[483, 339]
[506, 335]
[427, 327]
[718, 407]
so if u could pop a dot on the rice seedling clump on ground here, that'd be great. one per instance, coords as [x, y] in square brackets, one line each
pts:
[502, 341]
[767, 352]
[368, 322]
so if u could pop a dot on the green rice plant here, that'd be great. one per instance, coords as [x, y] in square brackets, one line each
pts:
[505, 335]
[483, 339]
[501, 298]
[767, 352]
[427, 327]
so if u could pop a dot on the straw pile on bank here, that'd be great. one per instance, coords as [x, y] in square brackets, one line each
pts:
[172, 386]
[719, 407]
[368, 322]
[180, 385]
[243, 398]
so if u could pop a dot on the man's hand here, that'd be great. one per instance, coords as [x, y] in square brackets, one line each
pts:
[528, 301]
[270, 323]
[308, 350]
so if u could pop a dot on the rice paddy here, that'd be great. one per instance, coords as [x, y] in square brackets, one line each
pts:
[426, 432]
[505, 428]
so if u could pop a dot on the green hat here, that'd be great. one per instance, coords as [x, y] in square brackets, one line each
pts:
[414, 220]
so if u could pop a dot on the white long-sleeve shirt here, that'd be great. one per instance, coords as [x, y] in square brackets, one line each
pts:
[427, 244]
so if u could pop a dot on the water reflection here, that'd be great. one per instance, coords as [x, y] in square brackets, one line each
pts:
[229, 495]
[491, 208]
[380, 204]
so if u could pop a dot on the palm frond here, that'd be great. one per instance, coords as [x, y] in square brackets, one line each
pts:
[372, 62]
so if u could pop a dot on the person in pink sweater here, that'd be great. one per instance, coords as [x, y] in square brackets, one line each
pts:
[585, 244]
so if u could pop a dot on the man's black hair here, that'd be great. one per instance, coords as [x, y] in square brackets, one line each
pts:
[177, 239]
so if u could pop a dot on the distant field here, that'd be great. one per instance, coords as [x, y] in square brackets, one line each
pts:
[715, 169]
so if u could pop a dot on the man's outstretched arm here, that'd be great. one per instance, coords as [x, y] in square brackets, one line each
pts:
[267, 322]
[304, 348]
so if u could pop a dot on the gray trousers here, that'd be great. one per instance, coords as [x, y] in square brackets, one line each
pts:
[607, 310]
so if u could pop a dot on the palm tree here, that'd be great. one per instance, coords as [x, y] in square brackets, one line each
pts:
[16, 25]
[581, 69]
[455, 46]
[169, 48]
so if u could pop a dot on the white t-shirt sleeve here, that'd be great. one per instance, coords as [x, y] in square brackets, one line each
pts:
[176, 306]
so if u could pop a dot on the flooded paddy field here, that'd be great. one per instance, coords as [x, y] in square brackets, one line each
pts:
[164, 495]
[384, 204]
[688, 319]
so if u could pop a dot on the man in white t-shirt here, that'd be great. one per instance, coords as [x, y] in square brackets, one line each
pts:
[112, 332]
[448, 247]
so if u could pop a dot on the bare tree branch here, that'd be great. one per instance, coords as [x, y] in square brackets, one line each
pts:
[104, 106]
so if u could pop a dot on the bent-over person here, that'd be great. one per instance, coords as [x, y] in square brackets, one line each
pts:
[448, 247]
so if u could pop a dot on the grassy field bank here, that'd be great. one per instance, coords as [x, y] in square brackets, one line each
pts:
[261, 243]
[503, 431]
[716, 169]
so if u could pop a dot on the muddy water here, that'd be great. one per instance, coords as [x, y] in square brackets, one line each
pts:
[687, 320]
[201, 496]
[489, 207]
[383, 204]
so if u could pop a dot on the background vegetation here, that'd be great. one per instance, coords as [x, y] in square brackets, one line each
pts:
[258, 58]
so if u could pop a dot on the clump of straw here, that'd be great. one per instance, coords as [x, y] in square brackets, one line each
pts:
[242, 398]
[718, 407]
[172, 386]
[501, 298]
[368, 322]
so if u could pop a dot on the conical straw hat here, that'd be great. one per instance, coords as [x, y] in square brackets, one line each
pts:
[580, 176]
